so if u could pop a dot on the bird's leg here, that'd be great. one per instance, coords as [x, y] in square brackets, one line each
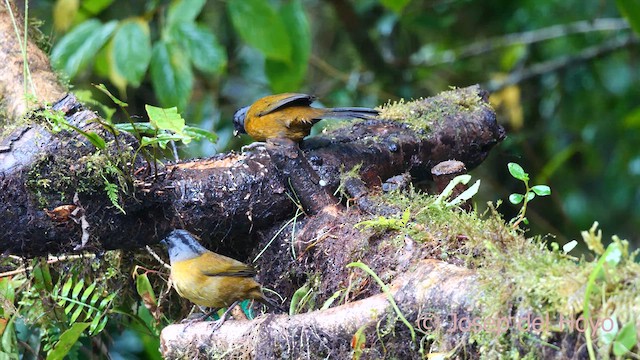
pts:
[223, 318]
[257, 145]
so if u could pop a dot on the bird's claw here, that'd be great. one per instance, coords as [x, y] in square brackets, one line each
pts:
[258, 145]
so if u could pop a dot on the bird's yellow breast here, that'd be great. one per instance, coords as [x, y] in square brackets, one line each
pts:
[293, 122]
[220, 291]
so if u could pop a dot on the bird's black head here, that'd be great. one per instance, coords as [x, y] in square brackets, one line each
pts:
[238, 121]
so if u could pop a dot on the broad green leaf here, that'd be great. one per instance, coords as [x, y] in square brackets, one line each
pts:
[203, 47]
[260, 26]
[516, 198]
[530, 195]
[165, 119]
[64, 11]
[625, 340]
[395, 5]
[67, 340]
[130, 51]
[184, 11]
[287, 76]
[79, 46]
[630, 9]
[171, 75]
[541, 190]
[517, 172]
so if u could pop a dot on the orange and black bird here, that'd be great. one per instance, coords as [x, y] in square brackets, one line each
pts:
[289, 116]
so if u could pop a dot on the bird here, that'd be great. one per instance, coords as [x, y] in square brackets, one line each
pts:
[289, 115]
[209, 279]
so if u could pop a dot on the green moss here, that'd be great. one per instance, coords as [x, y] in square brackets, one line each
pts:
[55, 179]
[423, 114]
[518, 275]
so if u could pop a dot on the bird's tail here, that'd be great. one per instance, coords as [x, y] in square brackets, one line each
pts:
[352, 113]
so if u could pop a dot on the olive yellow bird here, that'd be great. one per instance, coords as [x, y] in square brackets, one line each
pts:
[289, 116]
[209, 279]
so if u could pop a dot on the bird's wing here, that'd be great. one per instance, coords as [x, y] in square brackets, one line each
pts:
[213, 264]
[284, 100]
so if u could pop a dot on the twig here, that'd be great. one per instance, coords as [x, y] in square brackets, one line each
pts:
[563, 62]
[153, 253]
[530, 37]
[50, 260]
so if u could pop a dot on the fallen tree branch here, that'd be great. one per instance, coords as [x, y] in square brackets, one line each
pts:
[434, 290]
[226, 196]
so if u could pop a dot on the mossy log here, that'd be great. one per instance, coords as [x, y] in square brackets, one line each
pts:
[221, 198]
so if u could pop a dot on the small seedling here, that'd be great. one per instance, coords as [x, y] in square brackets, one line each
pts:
[530, 192]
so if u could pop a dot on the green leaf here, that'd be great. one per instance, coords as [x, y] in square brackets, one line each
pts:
[87, 292]
[630, 9]
[395, 5]
[76, 49]
[76, 314]
[358, 342]
[145, 290]
[541, 190]
[530, 195]
[67, 287]
[163, 139]
[171, 75]
[9, 341]
[165, 119]
[67, 340]
[130, 52]
[106, 91]
[76, 289]
[260, 26]
[287, 76]
[517, 172]
[184, 11]
[625, 340]
[516, 198]
[42, 277]
[95, 140]
[197, 134]
[203, 47]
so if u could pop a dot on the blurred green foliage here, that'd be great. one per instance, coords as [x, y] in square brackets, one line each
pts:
[563, 75]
